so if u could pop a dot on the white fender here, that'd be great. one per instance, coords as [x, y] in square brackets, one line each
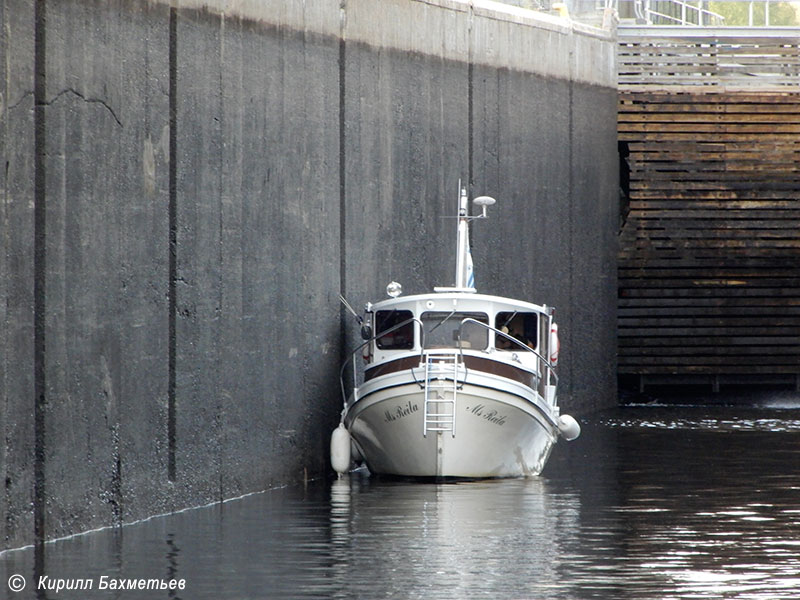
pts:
[555, 345]
[568, 427]
[340, 449]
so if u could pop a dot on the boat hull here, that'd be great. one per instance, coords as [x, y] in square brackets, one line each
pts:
[496, 432]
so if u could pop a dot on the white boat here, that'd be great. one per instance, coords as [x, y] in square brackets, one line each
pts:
[455, 383]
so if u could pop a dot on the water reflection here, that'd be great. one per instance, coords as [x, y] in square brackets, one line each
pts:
[650, 503]
[710, 503]
[458, 540]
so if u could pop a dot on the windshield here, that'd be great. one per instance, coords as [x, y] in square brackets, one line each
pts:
[401, 338]
[441, 330]
[520, 325]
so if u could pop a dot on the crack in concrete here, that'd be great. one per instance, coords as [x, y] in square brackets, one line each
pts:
[11, 107]
[99, 101]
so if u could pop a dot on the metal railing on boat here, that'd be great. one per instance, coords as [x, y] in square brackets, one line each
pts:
[551, 373]
[361, 346]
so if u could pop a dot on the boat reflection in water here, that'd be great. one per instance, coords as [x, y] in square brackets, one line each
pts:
[457, 540]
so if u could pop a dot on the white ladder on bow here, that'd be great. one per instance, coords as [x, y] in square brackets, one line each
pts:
[442, 371]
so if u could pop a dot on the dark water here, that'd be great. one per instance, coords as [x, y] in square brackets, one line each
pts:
[652, 502]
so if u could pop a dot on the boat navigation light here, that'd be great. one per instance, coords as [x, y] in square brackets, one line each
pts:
[394, 289]
[483, 202]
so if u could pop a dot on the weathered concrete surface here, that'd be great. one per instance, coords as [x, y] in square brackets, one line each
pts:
[215, 173]
[258, 266]
[549, 158]
[591, 362]
[16, 271]
[106, 247]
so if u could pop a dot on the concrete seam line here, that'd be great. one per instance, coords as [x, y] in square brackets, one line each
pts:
[39, 269]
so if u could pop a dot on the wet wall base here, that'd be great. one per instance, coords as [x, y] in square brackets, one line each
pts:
[185, 192]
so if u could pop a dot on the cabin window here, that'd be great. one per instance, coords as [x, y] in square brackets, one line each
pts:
[441, 330]
[401, 338]
[520, 325]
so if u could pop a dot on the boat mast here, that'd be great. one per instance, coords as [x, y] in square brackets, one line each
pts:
[462, 241]
[465, 283]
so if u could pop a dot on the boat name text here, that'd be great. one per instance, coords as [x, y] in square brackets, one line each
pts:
[492, 416]
[400, 412]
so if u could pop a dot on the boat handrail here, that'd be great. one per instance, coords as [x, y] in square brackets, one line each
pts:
[369, 341]
[511, 338]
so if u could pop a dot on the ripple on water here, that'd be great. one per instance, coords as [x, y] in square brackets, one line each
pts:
[651, 503]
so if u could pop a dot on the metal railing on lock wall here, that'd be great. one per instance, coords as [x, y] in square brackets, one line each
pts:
[670, 12]
[692, 13]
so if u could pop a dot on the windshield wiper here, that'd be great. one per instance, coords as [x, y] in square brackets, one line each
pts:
[443, 321]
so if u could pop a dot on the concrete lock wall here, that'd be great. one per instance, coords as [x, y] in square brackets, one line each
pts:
[187, 187]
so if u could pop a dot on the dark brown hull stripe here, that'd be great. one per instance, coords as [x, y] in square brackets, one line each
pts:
[472, 363]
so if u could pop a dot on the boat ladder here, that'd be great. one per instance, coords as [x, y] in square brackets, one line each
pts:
[441, 375]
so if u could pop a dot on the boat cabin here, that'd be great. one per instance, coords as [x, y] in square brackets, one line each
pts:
[457, 321]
